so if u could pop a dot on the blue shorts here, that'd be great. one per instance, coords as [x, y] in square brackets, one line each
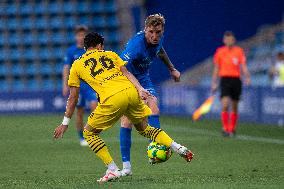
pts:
[87, 94]
[146, 83]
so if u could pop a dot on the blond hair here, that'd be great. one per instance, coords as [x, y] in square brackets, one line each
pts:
[155, 20]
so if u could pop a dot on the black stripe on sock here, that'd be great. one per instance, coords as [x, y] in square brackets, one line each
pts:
[154, 138]
[155, 132]
[99, 148]
[94, 140]
[94, 144]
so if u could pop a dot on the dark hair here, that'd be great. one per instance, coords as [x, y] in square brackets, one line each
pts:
[80, 28]
[229, 34]
[92, 40]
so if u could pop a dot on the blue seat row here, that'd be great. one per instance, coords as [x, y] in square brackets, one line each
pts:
[41, 7]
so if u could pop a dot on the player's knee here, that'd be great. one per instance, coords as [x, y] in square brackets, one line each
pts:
[88, 130]
[125, 123]
[141, 126]
[93, 105]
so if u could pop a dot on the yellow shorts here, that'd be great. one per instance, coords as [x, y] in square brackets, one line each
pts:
[126, 102]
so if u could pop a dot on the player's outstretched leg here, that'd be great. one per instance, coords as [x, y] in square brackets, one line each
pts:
[125, 145]
[161, 137]
[99, 147]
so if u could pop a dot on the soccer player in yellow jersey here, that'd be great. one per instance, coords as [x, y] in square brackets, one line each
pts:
[119, 94]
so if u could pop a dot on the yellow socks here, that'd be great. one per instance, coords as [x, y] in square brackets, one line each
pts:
[98, 146]
[157, 135]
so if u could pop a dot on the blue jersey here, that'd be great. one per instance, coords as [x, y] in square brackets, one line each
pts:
[140, 55]
[86, 92]
[73, 53]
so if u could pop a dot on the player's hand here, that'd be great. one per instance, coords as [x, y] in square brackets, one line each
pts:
[214, 87]
[247, 81]
[65, 90]
[144, 94]
[59, 131]
[175, 75]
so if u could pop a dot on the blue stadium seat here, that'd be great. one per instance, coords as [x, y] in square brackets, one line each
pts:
[113, 37]
[279, 37]
[42, 38]
[70, 22]
[26, 23]
[17, 69]
[41, 23]
[54, 8]
[68, 8]
[13, 23]
[98, 22]
[11, 9]
[59, 84]
[56, 22]
[18, 85]
[112, 21]
[110, 7]
[45, 68]
[97, 7]
[33, 85]
[83, 7]
[26, 9]
[84, 20]
[31, 69]
[4, 85]
[47, 84]
[58, 68]
[3, 69]
[15, 55]
[40, 8]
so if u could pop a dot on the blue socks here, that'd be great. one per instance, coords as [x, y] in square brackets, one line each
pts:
[80, 134]
[154, 121]
[125, 143]
[125, 137]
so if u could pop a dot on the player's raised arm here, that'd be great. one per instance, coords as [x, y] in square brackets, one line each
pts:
[143, 93]
[166, 60]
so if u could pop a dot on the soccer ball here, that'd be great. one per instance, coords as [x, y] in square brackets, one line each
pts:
[158, 153]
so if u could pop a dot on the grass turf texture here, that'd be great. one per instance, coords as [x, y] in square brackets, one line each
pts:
[30, 158]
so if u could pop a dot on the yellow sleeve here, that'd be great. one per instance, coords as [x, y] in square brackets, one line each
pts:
[118, 61]
[74, 80]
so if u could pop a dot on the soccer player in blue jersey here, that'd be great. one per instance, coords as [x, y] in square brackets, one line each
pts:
[139, 53]
[87, 94]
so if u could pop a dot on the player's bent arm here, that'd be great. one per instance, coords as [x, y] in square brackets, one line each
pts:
[142, 92]
[166, 60]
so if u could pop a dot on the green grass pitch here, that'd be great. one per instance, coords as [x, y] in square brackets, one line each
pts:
[30, 158]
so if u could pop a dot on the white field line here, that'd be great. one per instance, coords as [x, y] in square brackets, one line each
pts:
[216, 134]
[200, 132]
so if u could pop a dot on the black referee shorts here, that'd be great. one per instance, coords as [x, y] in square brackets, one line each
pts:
[231, 87]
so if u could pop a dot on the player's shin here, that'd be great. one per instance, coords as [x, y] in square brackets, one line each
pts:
[125, 145]
[99, 147]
